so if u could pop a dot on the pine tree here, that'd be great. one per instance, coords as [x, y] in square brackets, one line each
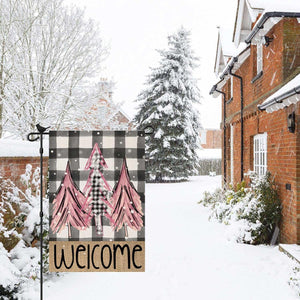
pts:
[168, 105]
[127, 207]
[71, 207]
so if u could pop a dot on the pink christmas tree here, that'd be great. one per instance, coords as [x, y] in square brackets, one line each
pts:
[127, 207]
[97, 189]
[71, 207]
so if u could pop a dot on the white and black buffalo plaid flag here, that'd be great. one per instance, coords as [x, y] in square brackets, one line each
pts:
[69, 153]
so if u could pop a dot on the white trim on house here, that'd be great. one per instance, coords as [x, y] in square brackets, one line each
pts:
[231, 154]
[235, 62]
[246, 14]
[203, 133]
[219, 61]
[231, 87]
[259, 58]
[225, 49]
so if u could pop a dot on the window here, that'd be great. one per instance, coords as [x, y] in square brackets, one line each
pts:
[259, 58]
[260, 153]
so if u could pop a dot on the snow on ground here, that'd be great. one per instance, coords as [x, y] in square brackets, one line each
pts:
[187, 257]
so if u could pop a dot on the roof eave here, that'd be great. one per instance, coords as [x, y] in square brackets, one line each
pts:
[225, 73]
[234, 60]
[274, 14]
[280, 98]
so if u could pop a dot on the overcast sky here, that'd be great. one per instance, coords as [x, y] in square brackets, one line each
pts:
[135, 28]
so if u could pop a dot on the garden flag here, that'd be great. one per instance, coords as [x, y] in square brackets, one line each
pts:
[97, 201]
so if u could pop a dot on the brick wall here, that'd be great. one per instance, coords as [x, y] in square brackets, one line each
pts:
[13, 167]
[281, 62]
[282, 160]
[213, 139]
[291, 47]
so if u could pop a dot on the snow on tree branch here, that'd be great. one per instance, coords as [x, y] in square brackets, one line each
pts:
[48, 54]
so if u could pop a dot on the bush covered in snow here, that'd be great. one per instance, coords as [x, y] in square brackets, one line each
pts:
[253, 212]
[295, 280]
[19, 233]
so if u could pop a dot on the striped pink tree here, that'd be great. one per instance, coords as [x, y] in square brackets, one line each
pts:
[71, 206]
[127, 207]
[97, 189]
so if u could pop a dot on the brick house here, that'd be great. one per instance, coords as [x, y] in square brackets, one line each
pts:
[259, 80]
[211, 138]
[105, 113]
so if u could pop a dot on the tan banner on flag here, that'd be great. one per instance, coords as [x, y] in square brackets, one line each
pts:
[97, 256]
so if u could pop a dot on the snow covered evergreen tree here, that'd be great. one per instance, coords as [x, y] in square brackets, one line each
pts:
[168, 105]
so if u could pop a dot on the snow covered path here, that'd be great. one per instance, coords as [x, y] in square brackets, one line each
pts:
[187, 257]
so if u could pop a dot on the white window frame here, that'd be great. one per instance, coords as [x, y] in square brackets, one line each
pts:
[259, 58]
[231, 87]
[231, 154]
[203, 133]
[260, 153]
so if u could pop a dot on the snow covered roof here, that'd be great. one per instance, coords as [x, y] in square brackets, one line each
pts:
[257, 4]
[285, 96]
[249, 10]
[270, 11]
[246, 13]
[233, 64]
[227, 45]
[279, 5]
[19, 148]
[225, 49]
[273, 12]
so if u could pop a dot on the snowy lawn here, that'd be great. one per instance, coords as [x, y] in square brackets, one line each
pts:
[187, 257]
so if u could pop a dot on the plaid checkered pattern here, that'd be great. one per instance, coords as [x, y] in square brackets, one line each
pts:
[76, 146]
[98, 193]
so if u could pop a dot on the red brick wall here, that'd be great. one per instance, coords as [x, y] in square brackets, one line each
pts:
[291, 47]
[281, 63]
[281, 161]
[213, 139]
[13, 167]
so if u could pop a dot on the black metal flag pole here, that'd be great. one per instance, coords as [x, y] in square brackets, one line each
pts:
[31, 138]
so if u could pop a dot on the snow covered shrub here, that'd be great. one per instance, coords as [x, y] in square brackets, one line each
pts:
[268, 211]
[294, 280]
[31, 231]
[11, 218]
[253, 212]
[19, 231]
[211, 199]
[8, 275]
[217, 202]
